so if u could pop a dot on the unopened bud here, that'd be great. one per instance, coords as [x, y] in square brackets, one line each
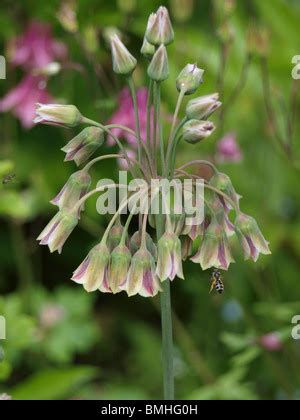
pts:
[123, 62]
[76, 187]
[189, 79]
[54, 114]
[147, 49]
[120, 261]
[201, 108]
[158, 69]
[84, 145]
[159, 29]
[194, 131]
[169, 264]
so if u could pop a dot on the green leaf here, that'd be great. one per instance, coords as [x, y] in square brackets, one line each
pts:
[53, 384]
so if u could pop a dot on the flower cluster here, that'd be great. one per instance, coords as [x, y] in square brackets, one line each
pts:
[140, 263]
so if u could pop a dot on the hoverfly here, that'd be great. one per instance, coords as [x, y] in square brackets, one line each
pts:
[7, 179]
[217, 281]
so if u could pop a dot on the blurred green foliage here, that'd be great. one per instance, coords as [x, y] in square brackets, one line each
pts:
[99, 346]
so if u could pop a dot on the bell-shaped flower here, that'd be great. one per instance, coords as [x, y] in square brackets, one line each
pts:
[214, 250]
[120, 261]
[141, 278]
[136, 242]
[169, 263]
[223, 183]
[84, 145]
[189, 79]
[115, 235]
[250, 237]
[186, 247]
[56, 114]
[75, 188]
[123, 62]
[159, 28]
[58, 230]
[93, 272]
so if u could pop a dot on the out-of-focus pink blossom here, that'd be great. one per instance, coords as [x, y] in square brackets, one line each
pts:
[124, 115]
[228, 150]
[22, 98]
[36, 47]
[271, 342]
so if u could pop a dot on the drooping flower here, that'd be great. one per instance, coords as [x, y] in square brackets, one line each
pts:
[124, 115]
[186, 247]
[84, 145]
[141, 278]
[250, 237]
[93, 272]
[214, 250]
[222, 182]
[221, 213]
[115, 235]
[76, 187]
[169, 264]
[57, 114]
[36, 47]
[120, 261]
[58, 230]
[228, 150]
[136, 241]
[22, 99]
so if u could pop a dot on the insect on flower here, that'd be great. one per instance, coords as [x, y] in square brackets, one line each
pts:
[217, 281]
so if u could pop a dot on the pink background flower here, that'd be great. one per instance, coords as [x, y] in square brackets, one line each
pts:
[228, 150]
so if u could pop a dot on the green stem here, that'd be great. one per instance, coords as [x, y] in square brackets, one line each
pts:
[149, 103]
[115, 156]
[160, 134]
[106, 130]
[126, 227]
[23, 264]
[173, 132]
[154, 146]
[136, 116]
[200, 162]
[175, 144]
[166, 326]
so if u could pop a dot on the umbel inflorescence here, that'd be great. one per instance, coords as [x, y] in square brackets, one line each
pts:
[139, 263]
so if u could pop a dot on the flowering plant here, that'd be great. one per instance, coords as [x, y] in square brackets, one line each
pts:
[145, 263]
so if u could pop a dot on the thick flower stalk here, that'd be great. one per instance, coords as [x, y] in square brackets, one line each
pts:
[140, 262]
